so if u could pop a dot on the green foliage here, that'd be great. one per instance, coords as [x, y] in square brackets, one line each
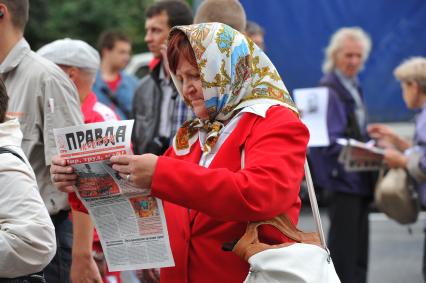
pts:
[85, 20]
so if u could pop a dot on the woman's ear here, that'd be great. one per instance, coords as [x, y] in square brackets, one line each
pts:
[73, 73]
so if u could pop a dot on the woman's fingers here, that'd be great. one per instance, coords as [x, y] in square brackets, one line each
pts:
[121, 159]
[123, 169]
[124, 176]
[66, 187]
[64, 177]
[57, 160]
[57, 169]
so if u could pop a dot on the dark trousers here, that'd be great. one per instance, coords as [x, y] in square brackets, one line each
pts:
[58, 270]
[424, 258]
[33, 278]
[348, 236]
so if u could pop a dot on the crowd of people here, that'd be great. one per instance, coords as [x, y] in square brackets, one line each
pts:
[216, 137]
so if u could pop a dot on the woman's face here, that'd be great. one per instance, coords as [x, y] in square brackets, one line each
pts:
[192, 90]
[411, 94]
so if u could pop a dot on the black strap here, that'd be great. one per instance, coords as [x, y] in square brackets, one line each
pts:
[107, 91]
[6, 150]
[32, 278]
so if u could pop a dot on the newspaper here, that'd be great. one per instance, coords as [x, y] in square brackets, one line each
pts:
[312, 104]
[358, 156]
[130, 222]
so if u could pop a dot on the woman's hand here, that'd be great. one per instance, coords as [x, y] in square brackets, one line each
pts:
[149, 275]
[395, 159]
[386, 137]
[84, 269]
[137, 169]
[62, 175]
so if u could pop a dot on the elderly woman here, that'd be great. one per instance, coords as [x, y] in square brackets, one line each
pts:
[241, 159]
[401, 153]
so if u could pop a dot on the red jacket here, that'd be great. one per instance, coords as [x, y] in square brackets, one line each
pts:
[222, 198]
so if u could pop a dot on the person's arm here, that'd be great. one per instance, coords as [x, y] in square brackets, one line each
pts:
[27, 235]
[83, 267]
[416, 165]
[275, 153]
[386, 137]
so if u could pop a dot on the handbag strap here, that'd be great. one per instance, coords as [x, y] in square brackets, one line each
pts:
[249, 243]
[314, 206]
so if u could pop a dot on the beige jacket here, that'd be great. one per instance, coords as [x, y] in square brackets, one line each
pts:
[43, 98]
[27, 235]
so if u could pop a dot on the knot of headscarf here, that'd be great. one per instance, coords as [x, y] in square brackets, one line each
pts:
[190, 128]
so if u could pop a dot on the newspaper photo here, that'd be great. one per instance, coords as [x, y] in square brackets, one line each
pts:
[358, 156]
[130, 222]
[312, 104]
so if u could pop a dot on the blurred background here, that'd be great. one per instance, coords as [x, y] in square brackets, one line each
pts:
[296, 32]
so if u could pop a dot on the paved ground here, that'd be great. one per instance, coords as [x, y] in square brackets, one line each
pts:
[395, 252]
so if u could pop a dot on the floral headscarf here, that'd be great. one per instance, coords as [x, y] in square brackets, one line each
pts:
[235, 73]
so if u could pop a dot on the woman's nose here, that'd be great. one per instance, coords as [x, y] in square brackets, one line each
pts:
[189, 89]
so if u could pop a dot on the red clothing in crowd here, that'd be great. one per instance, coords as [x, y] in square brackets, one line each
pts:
[94, 111]
[113, 85]
[222, 198]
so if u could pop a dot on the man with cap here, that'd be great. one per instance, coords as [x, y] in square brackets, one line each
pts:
[80, 62]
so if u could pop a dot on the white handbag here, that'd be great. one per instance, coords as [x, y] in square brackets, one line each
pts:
[306, 261]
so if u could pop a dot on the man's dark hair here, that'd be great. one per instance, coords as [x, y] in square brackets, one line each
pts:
[178, 12]
[108, 38]
[4, 98]
[19, 10]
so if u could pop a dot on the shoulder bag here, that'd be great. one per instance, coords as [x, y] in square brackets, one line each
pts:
[306, 261]
[397, 197]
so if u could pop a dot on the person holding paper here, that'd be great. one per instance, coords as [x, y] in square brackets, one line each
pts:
[412, 76]
[241, 159]
[350, 192]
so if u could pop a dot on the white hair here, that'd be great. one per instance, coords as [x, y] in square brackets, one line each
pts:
[412, 69]
[355, 33]
[89, 74]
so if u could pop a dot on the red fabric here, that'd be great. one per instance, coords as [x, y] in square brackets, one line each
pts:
[223, 198]
[113, 85]
[154, 62]
[89, 115]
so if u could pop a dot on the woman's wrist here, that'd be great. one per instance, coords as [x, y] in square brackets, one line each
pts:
[401, 144]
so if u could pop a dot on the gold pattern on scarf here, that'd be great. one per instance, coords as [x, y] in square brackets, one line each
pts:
[224, 39]
[220, 80]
